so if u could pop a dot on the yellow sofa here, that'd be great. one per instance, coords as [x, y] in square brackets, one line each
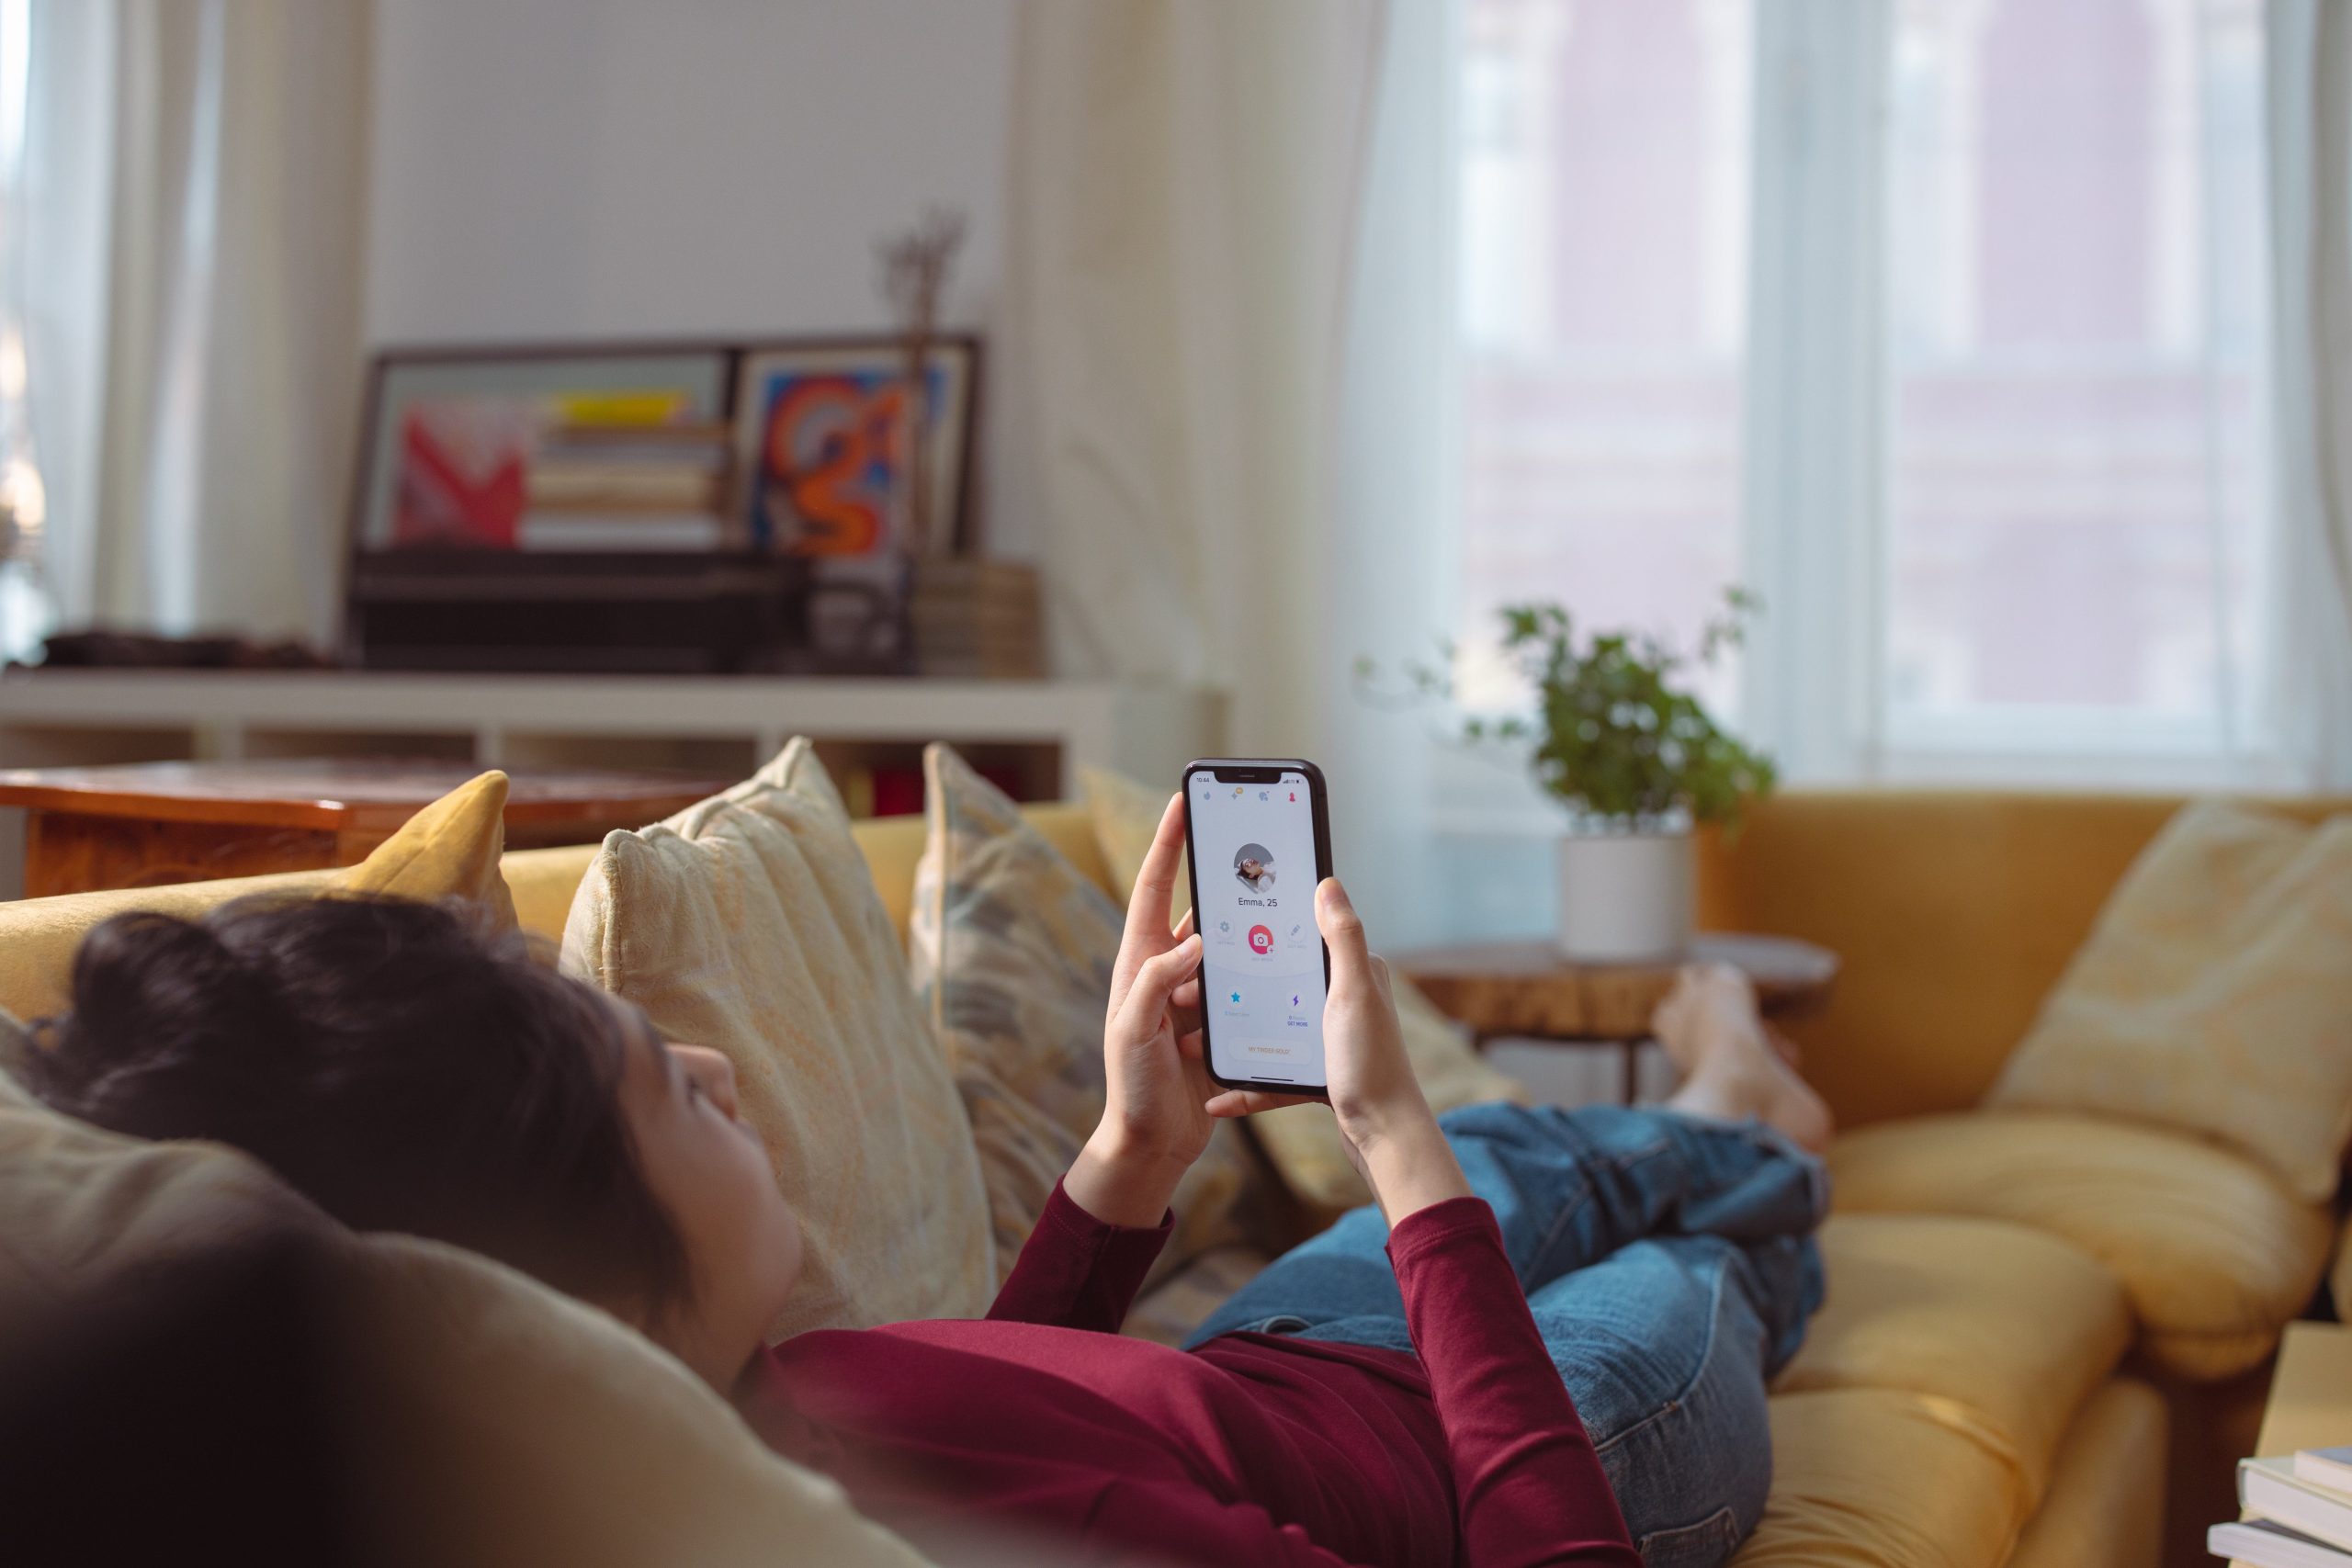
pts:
[1988, 1382]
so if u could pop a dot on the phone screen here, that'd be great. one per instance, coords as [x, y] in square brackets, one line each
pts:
[1261, 956]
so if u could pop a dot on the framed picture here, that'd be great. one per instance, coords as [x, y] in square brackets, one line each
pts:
[546, 450]
[825, 452]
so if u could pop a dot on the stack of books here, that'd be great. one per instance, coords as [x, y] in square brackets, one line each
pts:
[977, 618]
[627, 486]
[2298, 1512]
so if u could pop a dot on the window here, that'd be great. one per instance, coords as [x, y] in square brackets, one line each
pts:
[2075, 350]
[2069, 466]
[1604, 189]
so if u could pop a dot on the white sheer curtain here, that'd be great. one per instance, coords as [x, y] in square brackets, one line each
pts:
[1232, 351]
[1183, 217]
[196, 174]
[2309, 122]
[1816, 383]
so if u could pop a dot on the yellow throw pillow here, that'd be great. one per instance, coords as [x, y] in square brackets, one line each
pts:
[748, 923]
[1126, 814]
[1303, 1142]
[450, 849]
[496, 1421]
[1012, 947]
[2213, 996]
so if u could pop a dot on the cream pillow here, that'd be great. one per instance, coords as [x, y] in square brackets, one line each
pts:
[2213, 995]
[1012, 947]
[493, 1421]
[1302, 1140]
[749, 923]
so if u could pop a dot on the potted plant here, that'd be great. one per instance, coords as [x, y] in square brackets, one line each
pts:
[1637, 761]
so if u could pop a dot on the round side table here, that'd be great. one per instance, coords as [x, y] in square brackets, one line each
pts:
[1527, 990]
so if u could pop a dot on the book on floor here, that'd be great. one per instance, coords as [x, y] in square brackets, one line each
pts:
[2270, 1488]
[2260, 1544]
[2331, 1468]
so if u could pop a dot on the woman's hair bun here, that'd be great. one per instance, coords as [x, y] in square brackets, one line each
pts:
[152, 994]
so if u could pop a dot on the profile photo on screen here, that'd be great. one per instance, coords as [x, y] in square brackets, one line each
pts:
[1253, 867]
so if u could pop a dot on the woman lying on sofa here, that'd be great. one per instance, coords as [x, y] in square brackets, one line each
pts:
[1548, 1343]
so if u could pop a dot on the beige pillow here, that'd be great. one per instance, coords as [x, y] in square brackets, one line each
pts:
[1012, 947]
[494, 1421]
[2213, 995]
[749, 923]
[1302, 1140]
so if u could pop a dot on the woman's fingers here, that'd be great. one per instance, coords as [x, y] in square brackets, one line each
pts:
[1156, 979]
[1155, 890]
[1248, 1101]
[1184, 1006]
[1183, 925]
[1343, 931]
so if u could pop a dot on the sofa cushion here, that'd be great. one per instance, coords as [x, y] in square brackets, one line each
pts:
[1012, 947]
[748, 923]
[494, 1421]
[2214, 1256]
[1302, 1140]
[543, 881]
[2101, 1510]
[2213, 996]
[450, 849]
[2011, 1323]
[1885, 1478]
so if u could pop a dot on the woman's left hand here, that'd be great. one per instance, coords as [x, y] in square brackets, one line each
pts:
[1154, 1122]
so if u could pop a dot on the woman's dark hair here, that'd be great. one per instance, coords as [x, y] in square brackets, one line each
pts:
[396, 1062]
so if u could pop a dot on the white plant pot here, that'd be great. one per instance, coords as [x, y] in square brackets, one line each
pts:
[1625, 897]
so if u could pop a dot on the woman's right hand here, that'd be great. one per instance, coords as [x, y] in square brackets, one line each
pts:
[1392, 1138]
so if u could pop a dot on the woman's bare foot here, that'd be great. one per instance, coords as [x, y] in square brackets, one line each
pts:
[1733, 1065]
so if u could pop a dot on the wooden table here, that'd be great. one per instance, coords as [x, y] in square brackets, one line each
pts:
[2310, 1392]
[153, 824]
[1527, 990]
[2311, 1395]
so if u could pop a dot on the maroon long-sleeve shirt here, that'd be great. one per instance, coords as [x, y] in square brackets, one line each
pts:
[1252, 1449]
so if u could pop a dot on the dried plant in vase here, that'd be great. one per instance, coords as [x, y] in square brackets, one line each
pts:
[915, 268]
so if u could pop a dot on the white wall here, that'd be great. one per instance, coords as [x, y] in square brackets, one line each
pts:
[623, 168]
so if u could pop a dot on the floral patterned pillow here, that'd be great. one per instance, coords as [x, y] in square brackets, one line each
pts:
[1011, 947]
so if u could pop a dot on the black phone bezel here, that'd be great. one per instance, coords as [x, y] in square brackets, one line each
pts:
[1259, 770]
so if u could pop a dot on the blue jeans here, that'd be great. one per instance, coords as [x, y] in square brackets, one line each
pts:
[1669, 1264]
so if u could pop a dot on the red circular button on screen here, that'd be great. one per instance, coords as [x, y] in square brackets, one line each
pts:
[1262, 941]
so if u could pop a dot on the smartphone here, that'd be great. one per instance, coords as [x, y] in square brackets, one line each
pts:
[1260, 835]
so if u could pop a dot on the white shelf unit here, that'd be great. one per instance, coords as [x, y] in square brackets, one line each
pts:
[1044, 730]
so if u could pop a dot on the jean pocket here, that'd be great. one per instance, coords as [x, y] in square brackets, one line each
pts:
[1709, 1542]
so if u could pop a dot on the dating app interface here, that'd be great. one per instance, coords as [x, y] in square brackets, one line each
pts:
[1262, 958]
